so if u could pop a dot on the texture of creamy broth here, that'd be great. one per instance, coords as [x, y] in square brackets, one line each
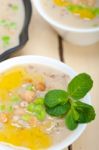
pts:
[64, 17]
[48, 132]
[12, 16]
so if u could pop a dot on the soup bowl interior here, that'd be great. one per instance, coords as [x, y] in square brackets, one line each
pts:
[23, 36]
[78, 36]
[52, 21]
[55, 64]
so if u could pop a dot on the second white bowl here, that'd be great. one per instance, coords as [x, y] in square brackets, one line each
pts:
[76, 36]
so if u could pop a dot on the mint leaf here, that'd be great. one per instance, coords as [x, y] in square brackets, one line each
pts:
[60, 103]
[55, 97]
[70, 121]
[80, 86]
[86, 112]
[75, 114]
[58, 110]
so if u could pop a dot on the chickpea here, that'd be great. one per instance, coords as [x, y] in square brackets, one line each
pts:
[28, 96]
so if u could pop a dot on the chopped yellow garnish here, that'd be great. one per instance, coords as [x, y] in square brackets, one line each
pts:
[84, 12]
[34, 138]
[10, 80]
[61, 2]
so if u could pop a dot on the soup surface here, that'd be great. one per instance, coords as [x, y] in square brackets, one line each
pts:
[11, 23]
[67, 14]
[23, 119]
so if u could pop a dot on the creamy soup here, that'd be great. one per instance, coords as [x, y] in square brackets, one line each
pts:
[11, 23]
[68, 14]
[23, 119]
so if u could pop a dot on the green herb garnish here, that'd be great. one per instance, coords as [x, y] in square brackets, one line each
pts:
[2, 108]
[58, 110]
[67, 103]
[86, 112]
[39, 101]
[8, 24]
[2, 22]
[26, 117]
[6, 40]
[15, 99]
[30, 88]
[10, 108]
[38, 110]
[55, 97]
[14, 7]
[80, 86]
[83, 11]
[70, 122]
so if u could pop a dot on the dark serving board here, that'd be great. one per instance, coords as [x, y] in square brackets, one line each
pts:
[23, 37]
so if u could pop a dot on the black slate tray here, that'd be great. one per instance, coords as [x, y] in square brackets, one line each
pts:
[23, 37]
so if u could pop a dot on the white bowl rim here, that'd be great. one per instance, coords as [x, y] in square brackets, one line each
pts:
[22, 60]
[59, 25]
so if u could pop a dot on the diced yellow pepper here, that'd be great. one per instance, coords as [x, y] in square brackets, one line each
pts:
[85, 13]
[34, 138]
[61, 3]
[10, 80]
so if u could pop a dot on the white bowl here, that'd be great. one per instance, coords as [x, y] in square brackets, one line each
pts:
[22, 60]
[76, 36]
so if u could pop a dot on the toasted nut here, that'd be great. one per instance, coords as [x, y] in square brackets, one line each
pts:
[40, 86]
[28, 96]
[3, 117]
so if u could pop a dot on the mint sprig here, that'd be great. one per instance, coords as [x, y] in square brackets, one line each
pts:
[67, 103]
[80, 86]
[56, 97]
[86, 112]
[58, 110]
[70, 122]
